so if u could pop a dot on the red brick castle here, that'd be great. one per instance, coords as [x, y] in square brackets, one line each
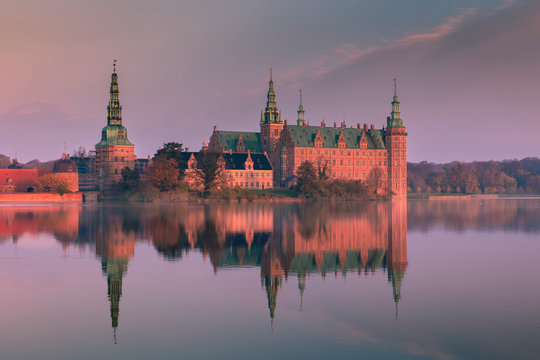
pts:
[355, 153]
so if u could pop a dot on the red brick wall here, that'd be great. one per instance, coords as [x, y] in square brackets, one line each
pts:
[40, 197]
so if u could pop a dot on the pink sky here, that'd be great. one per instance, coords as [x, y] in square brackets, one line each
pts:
[468, 72]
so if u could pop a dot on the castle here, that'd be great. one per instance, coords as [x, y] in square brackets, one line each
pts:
[355, 153]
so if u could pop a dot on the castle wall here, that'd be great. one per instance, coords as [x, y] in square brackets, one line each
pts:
[40, 198]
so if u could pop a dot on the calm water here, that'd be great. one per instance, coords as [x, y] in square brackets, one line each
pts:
[417, 279]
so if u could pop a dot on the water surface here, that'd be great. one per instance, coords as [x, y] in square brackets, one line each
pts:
[418, 279]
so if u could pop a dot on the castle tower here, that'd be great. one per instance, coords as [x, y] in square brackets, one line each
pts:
[396, 253]
[271, 126]
[301, 121]
[396, 144]
[114, 152]
[114, 269]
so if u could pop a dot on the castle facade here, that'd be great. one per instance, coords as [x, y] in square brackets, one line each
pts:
[355, 153]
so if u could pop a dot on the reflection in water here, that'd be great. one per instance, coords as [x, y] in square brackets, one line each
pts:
[282, 240]
[292, 240]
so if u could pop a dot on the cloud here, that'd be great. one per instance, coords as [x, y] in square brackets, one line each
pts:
[348, 54]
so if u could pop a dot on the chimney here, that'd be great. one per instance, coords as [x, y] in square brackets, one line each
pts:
[335, 125]
[187, 149]
[365, 127]
[358, 126]
[322, 124]
[149, 158]
[63, 156]
[285, 122]
[215, 128]
[372, 127]
[343, 125]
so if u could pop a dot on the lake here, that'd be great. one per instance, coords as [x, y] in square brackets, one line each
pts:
[439, 279]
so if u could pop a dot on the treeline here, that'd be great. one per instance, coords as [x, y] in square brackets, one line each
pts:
[479, 177]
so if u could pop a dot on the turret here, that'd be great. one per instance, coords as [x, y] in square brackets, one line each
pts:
[395, 116]
[271, 113]
[114, 109]
[301, 121]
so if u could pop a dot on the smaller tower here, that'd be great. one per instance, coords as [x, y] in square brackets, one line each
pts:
[301, 121]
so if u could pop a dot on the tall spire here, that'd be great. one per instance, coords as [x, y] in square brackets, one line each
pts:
[301, 120]
[271, 113]
[395, 117]
[114, 109]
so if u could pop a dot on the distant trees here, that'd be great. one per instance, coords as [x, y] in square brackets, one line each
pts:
[53, 184]
[80, 152]
[486, 177]
[4, 161]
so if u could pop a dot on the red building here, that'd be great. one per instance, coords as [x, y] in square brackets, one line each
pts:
[348, 153]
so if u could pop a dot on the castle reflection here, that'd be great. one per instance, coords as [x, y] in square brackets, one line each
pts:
[283, 240]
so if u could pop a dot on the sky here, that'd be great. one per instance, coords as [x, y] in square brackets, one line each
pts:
[468, 71]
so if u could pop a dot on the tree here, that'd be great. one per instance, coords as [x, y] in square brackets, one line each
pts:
[80, 152]
[211, 170]
[53, 184]
[130, 179]
[4, 161]
[163, 174]
[374, 181]
[307, 184]
[173, 150]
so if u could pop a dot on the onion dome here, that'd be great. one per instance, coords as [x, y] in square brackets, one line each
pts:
[65, 165]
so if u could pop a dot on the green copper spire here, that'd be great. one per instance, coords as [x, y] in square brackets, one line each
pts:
[114, 133]
[301, 121]
[114, 109]
[271, 112]
[395, 117]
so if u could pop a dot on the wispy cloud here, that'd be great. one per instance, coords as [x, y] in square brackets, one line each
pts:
[348, 54]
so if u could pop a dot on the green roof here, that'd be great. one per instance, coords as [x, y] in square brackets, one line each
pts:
[229, 139]
[114, 135]
[304, 136]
